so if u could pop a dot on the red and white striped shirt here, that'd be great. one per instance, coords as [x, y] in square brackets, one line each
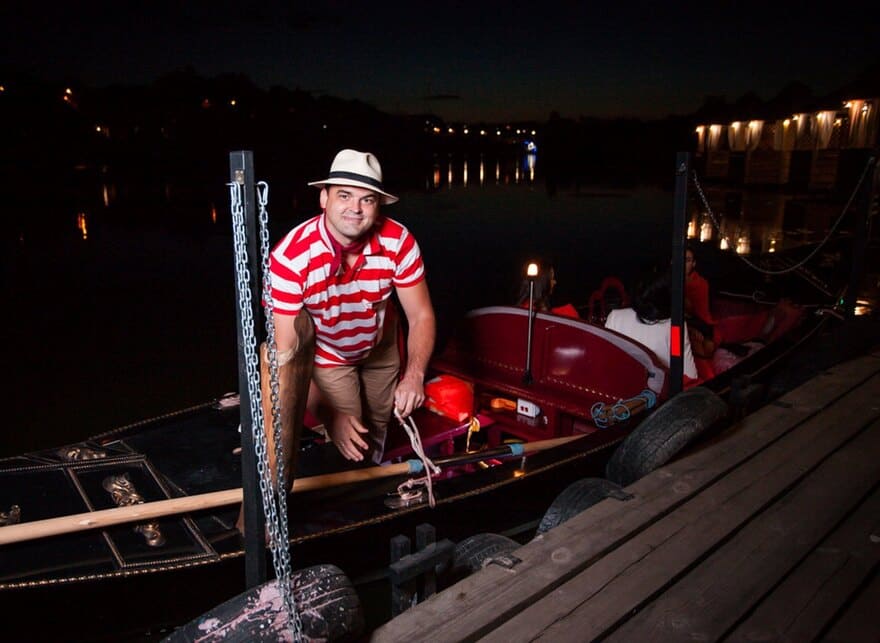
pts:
[348, 309]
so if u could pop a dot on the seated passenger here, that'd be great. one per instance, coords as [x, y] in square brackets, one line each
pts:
[610, 295]
[544, 285]
[701, 325]
[648, 321]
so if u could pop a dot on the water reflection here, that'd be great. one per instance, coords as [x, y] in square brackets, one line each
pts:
[458, 171]
[758, 221]
[81, 225]
[746, 220]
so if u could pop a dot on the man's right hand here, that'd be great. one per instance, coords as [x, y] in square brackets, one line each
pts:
[343, 431]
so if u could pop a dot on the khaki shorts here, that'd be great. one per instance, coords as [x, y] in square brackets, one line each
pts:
[366, 390]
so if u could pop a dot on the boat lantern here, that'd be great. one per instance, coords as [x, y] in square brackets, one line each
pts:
[531, 273]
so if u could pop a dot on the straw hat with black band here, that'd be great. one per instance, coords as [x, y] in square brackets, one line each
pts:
[358, 169]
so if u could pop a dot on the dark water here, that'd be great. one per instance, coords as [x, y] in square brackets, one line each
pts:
[120, 307]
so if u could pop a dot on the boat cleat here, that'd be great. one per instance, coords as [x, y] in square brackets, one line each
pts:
[403, 498]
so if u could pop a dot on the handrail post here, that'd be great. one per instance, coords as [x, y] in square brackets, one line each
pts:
[861, 230]
[241, 170]
[676, 277]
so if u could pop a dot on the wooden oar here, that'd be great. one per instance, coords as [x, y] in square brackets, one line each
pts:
[149, 510]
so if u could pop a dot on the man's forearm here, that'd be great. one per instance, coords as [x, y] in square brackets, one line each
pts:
[420, 346]
[294, 361]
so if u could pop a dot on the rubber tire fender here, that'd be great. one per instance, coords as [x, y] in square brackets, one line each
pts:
[472, 553]
[575, 498]
[328, 606]
[664, 433]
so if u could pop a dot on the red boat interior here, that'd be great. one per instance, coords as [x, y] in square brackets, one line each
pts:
[574, 365]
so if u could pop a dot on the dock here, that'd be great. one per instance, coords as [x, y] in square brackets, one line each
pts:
[770, 532]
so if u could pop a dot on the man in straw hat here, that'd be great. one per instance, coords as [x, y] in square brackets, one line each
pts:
[339, 269]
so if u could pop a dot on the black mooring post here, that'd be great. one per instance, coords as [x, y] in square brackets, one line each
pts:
[241, 171]
[676, 283]
[860, 237]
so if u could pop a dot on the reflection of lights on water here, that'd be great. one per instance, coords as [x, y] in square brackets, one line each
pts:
[692, 229]
[516, 174]
[213, 214]
[81, 224]
[449, 176]
[497, 171]
[106, 192]
[482, 172]
[724, 245]
[742, 246]
[464, 174]
[530, 162]
[705, 231]
[436, 177]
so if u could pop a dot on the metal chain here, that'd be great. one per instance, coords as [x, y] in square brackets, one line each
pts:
[282, 560]
[278, 539]
[802, 262]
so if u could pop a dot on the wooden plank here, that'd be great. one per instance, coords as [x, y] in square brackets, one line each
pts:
[859, 623]
[808, 599]
[485, 600]
[713, 597]
[627, 577]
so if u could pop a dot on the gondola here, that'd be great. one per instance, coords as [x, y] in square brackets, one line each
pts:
[523, 437]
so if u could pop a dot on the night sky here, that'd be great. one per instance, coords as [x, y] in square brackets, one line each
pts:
[461, 60]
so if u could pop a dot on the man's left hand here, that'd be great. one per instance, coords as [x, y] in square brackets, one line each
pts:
[410, 395]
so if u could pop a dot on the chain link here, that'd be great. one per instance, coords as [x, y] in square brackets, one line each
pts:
[274, 504]
[802, 262]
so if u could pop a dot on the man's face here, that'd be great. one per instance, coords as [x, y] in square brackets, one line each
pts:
[351, 211]
[689, 263]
